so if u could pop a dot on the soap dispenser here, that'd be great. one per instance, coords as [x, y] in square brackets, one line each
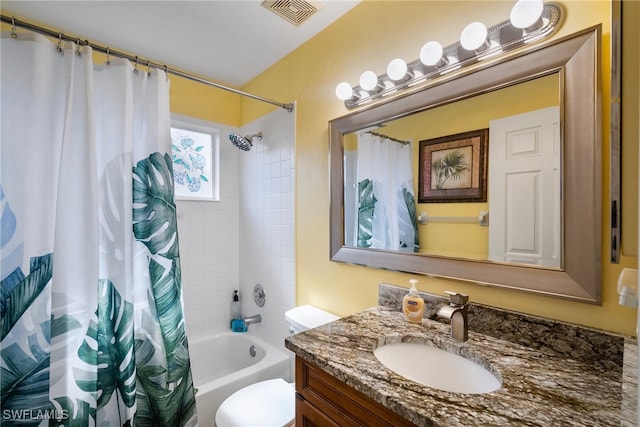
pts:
[237, 322]
[413, 304]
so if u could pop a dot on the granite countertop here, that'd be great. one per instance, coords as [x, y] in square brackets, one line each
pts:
[537, 388]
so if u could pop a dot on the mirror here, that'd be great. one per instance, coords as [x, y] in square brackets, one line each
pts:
[569, 67]
[448, 211]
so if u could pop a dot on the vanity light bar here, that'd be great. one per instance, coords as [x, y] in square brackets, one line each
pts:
[540, 20]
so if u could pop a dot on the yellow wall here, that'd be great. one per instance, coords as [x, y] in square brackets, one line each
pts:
[204, 102]
[368, 37]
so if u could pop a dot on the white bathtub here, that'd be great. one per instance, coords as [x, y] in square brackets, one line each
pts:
[222, 364]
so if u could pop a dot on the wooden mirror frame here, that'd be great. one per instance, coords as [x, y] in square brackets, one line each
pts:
[577, 60]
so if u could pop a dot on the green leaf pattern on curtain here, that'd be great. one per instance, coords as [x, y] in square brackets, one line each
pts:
[166, 396]
[18, 291]
[76, 413]
[366, 209]
[25, 379]
[154, 210]
[113, 331]
[410, 204]
[25, 371]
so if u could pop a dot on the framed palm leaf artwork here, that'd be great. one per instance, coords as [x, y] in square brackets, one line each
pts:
[453, 168]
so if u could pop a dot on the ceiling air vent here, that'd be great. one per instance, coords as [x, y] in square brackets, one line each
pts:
[294, 11]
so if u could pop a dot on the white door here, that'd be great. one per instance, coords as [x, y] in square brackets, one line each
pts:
[525, 188]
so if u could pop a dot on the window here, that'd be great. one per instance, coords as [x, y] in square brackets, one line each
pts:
[195, 147]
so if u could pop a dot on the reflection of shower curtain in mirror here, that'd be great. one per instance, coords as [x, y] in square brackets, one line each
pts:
[92, 323]
[386, 202]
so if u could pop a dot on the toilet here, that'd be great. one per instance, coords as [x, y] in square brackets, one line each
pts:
[270, 403]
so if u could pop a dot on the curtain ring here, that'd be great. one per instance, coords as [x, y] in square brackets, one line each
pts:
[14, 34]
[135, 66]
[78, 45]
[148, 67]
[108, 58]
[166, 72]
[59, 47]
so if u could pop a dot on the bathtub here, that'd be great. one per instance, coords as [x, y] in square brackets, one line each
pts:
[223, 363]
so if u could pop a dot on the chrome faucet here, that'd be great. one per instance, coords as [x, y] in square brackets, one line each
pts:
[256, 318]
[456, 312]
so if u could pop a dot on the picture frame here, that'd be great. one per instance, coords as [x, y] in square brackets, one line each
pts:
[453, 168]
[195, 158]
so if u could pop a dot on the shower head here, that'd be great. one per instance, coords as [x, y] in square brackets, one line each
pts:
[244, 142]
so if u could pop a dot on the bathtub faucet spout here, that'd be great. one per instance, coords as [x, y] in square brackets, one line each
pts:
[256, 318]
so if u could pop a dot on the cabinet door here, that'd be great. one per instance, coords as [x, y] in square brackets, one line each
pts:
[309, 416]
[323, 400]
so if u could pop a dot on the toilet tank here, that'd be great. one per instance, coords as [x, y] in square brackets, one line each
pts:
[307, 317]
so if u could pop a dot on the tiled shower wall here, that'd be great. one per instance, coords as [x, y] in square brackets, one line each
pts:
[246, 238]
[267, 244]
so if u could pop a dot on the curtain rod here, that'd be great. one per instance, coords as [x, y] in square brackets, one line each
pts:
[14, 22]
[380, 135]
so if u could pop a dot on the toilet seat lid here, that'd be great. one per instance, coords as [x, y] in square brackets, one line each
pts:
[268, 403]
[307, 317]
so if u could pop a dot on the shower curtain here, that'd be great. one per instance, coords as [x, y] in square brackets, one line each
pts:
[386, 201]
[92, 323]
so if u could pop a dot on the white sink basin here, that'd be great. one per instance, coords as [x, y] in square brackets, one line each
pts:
[436, 368]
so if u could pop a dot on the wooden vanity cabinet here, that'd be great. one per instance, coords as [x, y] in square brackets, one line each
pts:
[322, 400]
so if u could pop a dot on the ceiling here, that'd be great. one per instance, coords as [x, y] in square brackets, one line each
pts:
[230, 41]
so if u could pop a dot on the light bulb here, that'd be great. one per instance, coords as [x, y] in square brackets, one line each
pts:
[526, 13]
[397, 69]
[431, 53]
[344, 91]
[474, 36]
[368, 80]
